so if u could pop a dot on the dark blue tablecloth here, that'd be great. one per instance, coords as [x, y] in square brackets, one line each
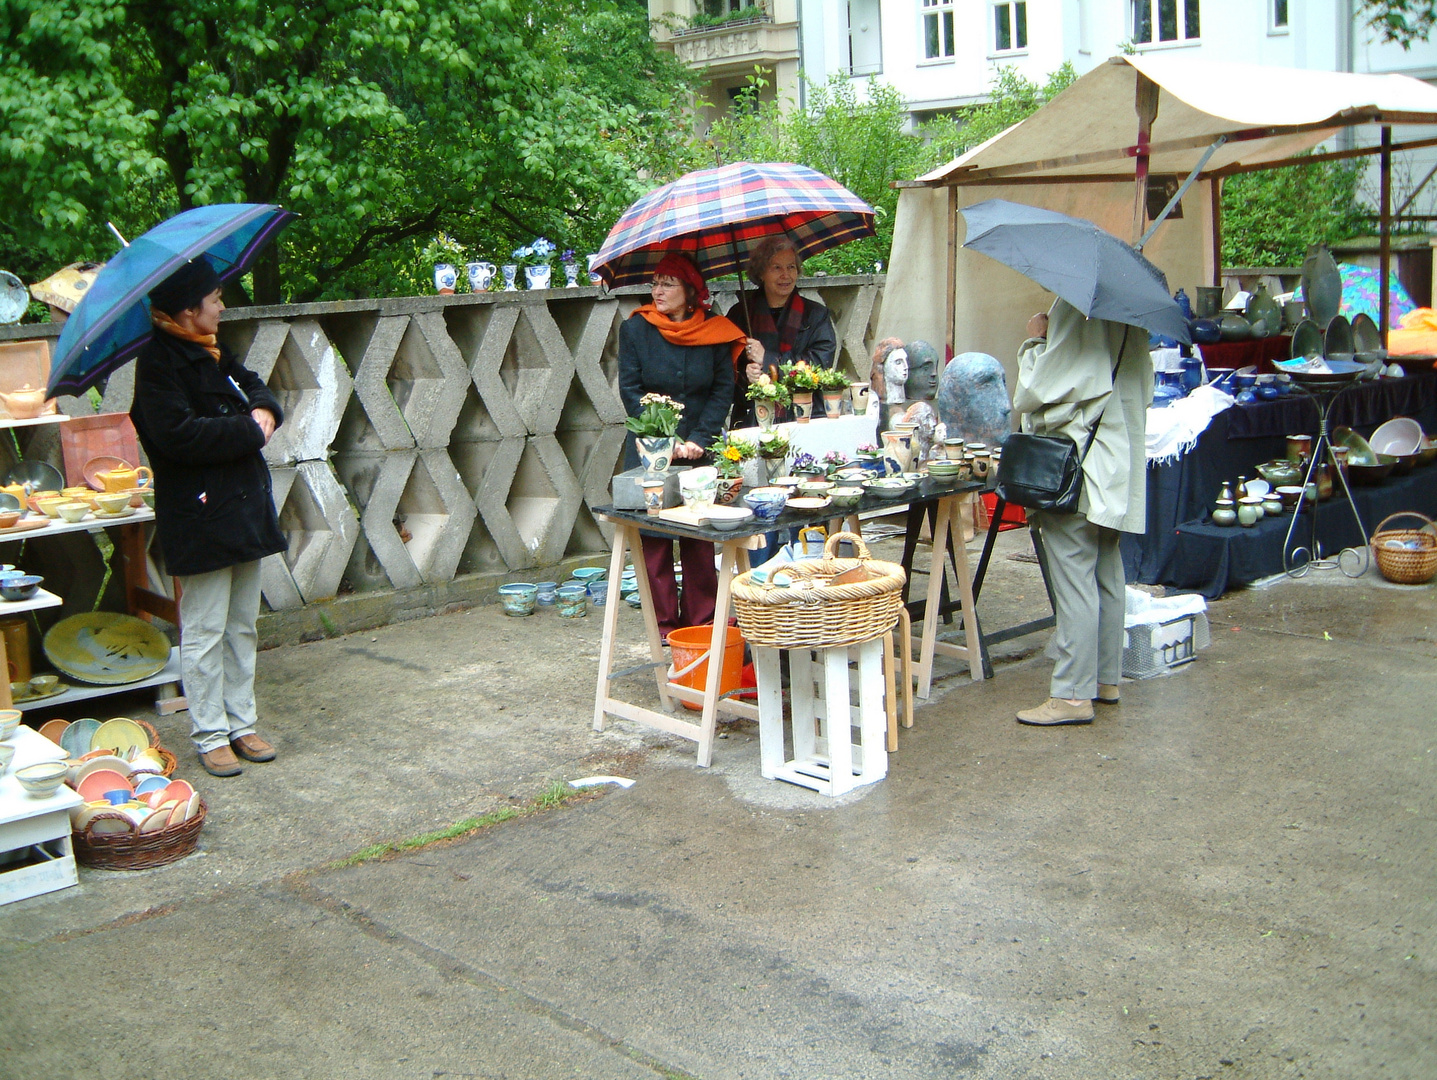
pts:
[1235, 443]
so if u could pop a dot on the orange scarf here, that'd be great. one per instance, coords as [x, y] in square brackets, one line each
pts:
[700, 328]
[209, 342]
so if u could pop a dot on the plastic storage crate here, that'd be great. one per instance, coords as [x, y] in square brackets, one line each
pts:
[1152, 649]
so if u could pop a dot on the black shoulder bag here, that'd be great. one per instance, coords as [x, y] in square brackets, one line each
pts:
[1045, 472]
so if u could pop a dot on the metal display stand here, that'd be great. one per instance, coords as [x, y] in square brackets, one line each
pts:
[1323, 394]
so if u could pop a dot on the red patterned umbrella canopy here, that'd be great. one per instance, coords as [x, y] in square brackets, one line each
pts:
[716, 215]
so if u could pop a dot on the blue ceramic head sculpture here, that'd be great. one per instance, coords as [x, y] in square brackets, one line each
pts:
[973, 399]
[923, 368]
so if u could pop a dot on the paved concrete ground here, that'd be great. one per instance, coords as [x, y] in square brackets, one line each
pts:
[1229, 875]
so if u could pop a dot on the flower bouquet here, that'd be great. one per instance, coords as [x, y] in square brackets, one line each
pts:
[802, 381]
[832, 383]
[655, 430]
[768, 396]
[536, 259]
[730, 455]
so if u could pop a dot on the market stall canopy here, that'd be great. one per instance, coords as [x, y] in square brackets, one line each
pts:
[1088, 132]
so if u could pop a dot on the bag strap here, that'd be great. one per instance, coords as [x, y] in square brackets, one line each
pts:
[1093, 434]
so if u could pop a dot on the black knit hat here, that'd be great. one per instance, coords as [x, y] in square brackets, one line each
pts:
[186, 287]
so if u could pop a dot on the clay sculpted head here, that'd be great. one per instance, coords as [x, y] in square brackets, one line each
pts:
[895, 376]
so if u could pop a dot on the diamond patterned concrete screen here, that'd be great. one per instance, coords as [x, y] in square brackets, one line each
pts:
[432, 436]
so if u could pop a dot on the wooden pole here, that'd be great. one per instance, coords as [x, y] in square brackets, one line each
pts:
[951, 298]
[1216, 195]
[1146, 105]
[1385, 232]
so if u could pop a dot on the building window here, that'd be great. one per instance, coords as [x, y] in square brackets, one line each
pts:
[1279, 14]
[1010, 26]
[1165, 20]
[716, 8]
[937, 29]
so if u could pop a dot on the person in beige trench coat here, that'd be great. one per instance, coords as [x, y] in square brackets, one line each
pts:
[1066, 384]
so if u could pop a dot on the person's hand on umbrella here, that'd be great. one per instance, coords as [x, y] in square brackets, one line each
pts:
[688, 451]
[265, 419]
[753, 349]
[1038, 325]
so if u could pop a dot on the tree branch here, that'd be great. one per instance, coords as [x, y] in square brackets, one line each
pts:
[364, 246]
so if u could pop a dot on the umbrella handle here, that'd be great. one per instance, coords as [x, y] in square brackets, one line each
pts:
[116, 231]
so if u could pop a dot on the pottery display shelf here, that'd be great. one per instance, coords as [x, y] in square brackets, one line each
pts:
[948, 498]
[41, 599]
[53, 418]
[139, 599]
[35, 852]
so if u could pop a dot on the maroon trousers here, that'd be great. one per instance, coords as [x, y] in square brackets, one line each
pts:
[696, 606]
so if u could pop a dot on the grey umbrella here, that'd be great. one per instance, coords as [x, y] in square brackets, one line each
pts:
[1093, 270]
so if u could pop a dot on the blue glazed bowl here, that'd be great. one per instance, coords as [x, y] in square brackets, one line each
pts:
[573, 601]
[19, 587]
[519, 598]
[547, 590]
[766, 502]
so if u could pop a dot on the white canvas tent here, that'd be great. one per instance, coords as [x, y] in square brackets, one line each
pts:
[1091, 152]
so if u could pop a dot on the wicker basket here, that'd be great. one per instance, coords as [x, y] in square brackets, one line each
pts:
[1406, 566]
[169, 759]
[134, 850]
[813, 615]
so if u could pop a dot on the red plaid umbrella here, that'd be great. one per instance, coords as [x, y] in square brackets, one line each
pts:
[716, 215]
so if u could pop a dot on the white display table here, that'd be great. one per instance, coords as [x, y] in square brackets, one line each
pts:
[35, 852]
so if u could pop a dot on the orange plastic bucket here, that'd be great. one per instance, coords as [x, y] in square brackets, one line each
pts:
[688, 643]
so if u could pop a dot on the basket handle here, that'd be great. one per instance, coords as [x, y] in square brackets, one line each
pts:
[830, 549]
[1426, 521]
[90, 825]
[150, 731]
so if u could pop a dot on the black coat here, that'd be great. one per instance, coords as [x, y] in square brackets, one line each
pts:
[815, 342]
[698, 376]
[213, 502]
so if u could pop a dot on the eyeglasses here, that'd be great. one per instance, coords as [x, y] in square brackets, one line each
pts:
[665, 283]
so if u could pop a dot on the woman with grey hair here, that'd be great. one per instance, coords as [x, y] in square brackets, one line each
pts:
[786, 327]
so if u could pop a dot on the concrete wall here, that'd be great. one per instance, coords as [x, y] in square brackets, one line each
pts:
[428, 438]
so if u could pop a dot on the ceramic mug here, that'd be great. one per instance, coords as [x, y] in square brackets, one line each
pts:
[653, 496]
[445, 278]
[481, 274]
[117, 480]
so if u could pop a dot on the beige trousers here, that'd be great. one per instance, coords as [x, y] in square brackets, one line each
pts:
[1085, 569]
[218, 641]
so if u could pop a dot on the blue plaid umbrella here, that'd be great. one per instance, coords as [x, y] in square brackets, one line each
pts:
[715, 215]
[112, 322]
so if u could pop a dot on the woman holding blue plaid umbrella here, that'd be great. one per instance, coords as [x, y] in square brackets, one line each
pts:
[782, 327]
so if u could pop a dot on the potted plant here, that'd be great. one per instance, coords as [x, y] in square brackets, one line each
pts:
[536, 260]
[831, 384]
[571, 269]
[870, 457]
[805, 464]
[654, 431]
[772, 451]
[768, 396]
[802, 382]
[832, 462]
[730, 453]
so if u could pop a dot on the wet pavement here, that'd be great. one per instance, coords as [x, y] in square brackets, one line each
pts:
[1231, 874]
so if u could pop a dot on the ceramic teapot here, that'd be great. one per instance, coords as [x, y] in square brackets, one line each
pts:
[481, 275]
[124, 479]
[25, 403]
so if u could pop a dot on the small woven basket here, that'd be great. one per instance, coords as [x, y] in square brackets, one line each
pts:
[134, 850]
[169, 759]
[811, 614]
[1405, 565]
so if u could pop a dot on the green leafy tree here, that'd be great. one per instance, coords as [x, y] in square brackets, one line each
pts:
[1402, 21]
[381, 122]
[1270, 217]
[1012, 98]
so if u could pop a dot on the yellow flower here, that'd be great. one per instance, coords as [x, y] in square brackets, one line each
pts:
[732, 454]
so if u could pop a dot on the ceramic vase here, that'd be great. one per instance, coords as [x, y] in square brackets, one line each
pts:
[754, 473]
[1224, 514]
[897, 452]
[594, 279]
[1272, 505]
[481, 276]
[1249, 511]
[537, 277]
[656, 453]
[511, 274]
[445, 278]
[571, 275]
[1299, 448]
[728, 490]
[858, 395]
[833, 404]
[766, 413]
[802, 405]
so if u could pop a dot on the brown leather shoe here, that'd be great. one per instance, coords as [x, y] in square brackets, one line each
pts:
[1056, 711]
[252, 748]
[1107, 695]
[221, 761]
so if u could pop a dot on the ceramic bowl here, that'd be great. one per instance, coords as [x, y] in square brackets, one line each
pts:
[726, 517]
[699, 487]
[766, 502]
[889, 487]
[7, 755]
[815, 489]
[573, 601]
[1290, 494]
[1280, 472]
[51, 507]
[44, 684]
[9, 721]
[1428, 451]
[846, 498]
[73, 512]
[42, 780]
[589, 574]
[147, 496]
[1366, 475]
[944, 470]
[10, 518]
[112, 502]
[20, 588]
[546, 595]
[519, 597]
[1401, 435]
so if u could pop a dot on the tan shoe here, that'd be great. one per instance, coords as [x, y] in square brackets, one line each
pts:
[1056, 711]
[252, 748]
[221, 761]
[1107, 695]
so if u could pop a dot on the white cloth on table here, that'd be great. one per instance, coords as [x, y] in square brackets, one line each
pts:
[1174, 430]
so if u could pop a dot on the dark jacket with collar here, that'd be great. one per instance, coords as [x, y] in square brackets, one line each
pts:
[698, 376]
[213, 502]
[815, 342]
